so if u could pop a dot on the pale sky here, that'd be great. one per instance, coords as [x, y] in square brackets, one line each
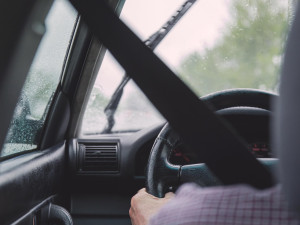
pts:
[199, 28]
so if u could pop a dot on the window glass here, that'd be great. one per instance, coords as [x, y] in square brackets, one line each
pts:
[134, 111]
[130, 116]
[95, 120]
[229, 44]
[42, 80]
[217, 45]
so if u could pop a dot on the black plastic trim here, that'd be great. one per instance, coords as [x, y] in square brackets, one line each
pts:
[129, 145]
[80, 157]
[27, 180]
[31, 214]
[57, 122]
[76, 59]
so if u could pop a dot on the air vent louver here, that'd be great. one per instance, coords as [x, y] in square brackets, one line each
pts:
[99, 157]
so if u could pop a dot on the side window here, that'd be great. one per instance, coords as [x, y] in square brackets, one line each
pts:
[42, 80]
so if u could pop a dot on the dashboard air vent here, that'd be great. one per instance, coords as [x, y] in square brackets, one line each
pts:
[98, 157]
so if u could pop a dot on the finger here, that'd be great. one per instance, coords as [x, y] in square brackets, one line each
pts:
[142, 190]
[169, 195]
[131, 212]
[144, 194]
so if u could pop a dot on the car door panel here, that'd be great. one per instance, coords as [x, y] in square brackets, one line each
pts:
[28, 180]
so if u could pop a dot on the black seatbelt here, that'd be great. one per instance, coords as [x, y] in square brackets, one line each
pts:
[152, 42]
[219, 147]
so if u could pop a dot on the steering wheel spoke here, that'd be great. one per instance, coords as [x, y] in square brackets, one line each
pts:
[161, 174]
[198, 173]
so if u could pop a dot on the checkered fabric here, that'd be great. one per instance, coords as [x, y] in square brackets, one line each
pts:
[231, 205]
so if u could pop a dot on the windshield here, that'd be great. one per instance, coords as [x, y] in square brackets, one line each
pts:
[217, 45]
[229, 44]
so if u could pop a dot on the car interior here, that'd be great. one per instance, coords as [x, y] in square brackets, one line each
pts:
[79, 141]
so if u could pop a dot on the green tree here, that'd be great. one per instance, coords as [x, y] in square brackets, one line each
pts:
[248, 54]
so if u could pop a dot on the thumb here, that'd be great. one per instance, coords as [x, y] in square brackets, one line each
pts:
[169, 195]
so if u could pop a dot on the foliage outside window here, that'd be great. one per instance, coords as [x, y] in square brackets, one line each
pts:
[249, 53]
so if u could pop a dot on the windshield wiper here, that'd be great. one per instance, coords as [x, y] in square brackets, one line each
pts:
[152, 42]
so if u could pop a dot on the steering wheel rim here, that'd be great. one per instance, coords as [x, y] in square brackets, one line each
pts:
[160, 173]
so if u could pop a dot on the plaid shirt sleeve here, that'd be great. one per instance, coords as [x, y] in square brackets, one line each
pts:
[230, 205]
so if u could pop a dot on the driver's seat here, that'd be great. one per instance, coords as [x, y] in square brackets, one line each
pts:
[286, 135]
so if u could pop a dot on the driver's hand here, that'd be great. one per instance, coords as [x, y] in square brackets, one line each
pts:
[144, 205]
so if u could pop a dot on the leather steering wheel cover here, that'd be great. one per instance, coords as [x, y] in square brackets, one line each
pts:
[160, 172]
[240, 97]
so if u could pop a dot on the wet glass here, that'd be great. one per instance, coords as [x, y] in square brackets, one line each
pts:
[41, 82]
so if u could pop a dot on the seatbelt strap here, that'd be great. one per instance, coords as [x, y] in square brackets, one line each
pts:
[152, 43]
[218, 146]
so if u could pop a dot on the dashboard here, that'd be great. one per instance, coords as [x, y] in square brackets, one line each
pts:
[181, 156]
[252, 124]
[124, 158]
[131, 151]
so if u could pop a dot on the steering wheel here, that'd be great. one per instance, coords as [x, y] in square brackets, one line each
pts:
[161, 174]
